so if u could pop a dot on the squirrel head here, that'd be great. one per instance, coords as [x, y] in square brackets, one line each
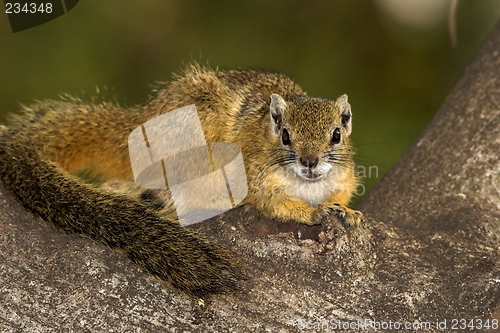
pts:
[312, 134]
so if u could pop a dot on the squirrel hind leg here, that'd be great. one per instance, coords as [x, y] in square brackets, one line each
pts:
[155, 199]
[152, 199]
[159, 201]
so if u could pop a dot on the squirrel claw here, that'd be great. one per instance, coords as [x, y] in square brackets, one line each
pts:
[349, 217]
[319, 214]
[352, 218]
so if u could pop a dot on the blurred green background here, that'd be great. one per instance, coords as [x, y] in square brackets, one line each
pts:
[394, 58]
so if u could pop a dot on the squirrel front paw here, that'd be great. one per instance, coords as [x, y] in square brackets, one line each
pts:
[348, 217]
[320, 213]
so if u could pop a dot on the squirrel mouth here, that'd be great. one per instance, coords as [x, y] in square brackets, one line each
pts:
[310, 174]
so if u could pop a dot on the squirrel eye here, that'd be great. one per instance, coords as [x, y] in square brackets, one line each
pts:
[285, 137]
[336, 136]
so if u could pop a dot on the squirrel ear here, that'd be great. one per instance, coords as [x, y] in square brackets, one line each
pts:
[345, 113]
[276, 108]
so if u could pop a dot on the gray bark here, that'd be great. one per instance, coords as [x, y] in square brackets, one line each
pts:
[429, 253]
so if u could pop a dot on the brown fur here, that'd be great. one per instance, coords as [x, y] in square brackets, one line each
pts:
[42, 152]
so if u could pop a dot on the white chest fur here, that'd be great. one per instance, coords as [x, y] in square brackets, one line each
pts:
[316, 192]
[313, 193]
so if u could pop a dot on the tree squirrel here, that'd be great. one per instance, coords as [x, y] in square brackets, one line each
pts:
[57, 157]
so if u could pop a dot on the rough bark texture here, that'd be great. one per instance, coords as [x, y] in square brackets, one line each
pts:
[429, 253]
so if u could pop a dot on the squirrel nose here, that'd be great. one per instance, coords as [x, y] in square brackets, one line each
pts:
[309, 161]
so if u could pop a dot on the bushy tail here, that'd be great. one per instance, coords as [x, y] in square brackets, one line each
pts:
[180, 257]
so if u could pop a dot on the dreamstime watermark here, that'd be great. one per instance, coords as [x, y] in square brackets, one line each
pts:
[363, 172]
[390, 325]
[204, 179]
[26, 14]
